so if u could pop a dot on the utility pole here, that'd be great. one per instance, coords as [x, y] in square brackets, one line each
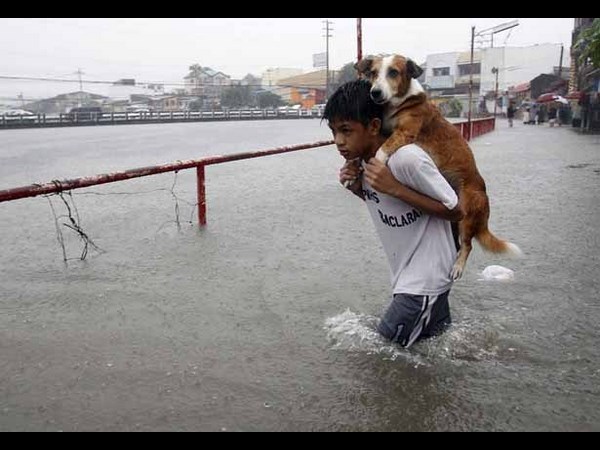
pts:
[327, 36]
[560, 63]
[495, 71]
[358, 39]
[79, 72]
[470, 84]
[489, 31]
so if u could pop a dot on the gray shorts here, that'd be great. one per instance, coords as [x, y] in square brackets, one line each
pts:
[409, 318]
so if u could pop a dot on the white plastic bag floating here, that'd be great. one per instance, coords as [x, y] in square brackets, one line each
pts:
[493, 273]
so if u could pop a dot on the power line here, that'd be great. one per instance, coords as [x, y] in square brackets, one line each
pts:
[147, 83]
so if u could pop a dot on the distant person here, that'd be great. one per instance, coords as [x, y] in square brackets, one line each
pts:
[576, 122]
[414, 228]
[527, 115]
[563, 115]
[534, 115]
[543, 112]
[510, 113]
[552, 115]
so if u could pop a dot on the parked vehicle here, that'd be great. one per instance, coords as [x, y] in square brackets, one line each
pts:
[85, 114]
[18, 115]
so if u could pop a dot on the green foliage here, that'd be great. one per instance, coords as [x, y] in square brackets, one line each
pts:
[196, 105]
[347, 73]
[588, 44]
[236, 96]
[451, 108]
[269, 100]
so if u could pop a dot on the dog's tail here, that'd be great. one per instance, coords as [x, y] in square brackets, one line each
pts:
[492, 244]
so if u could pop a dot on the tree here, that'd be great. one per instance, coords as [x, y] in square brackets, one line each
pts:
[347, 73]
[588, 44]
[269, 100]
[236, 96]
[252, 81]
[196, 105]
[254, 85]
[195, 69]
[451, 108]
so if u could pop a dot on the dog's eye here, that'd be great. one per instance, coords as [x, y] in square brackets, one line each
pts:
[393, 73]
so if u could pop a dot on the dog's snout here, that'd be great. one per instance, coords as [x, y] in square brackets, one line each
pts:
[376, 94]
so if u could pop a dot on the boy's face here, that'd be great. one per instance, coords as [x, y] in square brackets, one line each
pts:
[353, 139]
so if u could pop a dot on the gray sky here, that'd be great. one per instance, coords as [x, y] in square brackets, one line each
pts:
[161, 50]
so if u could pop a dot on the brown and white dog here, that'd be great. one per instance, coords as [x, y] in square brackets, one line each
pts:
[411, 118]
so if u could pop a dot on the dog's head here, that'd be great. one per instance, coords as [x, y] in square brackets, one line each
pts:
[390, 76]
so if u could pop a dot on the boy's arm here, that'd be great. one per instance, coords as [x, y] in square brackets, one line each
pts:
[383, 180]
[352, 171]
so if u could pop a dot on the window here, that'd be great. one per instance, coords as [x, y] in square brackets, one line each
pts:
[441, 71]
[465, 69]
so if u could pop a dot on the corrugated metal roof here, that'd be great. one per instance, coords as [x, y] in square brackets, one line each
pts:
[312, 80]
[520, 87]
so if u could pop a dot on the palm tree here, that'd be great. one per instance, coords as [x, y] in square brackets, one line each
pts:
[195, 70]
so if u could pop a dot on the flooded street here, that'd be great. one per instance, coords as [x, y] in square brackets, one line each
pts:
[264, 320]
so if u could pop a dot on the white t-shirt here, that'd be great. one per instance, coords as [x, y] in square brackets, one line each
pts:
[419, 247]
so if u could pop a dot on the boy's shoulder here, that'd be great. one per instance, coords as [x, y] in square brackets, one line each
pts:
[410, 155]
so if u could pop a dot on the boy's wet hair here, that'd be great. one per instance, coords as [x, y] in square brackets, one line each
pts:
[352, 101]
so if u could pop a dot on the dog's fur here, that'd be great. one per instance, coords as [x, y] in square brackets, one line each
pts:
[411, 118]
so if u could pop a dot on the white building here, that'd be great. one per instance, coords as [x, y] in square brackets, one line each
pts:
[207, 84]
[123, 89]
[447, 74]
[271, 76]
[441, 70]
[519, 64]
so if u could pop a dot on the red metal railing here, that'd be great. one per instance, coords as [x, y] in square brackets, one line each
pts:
[478, 127]
[66, 185]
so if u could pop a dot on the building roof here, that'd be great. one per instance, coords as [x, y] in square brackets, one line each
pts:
[523, 87]
[208, 71]
[311, 80]
[74, 94]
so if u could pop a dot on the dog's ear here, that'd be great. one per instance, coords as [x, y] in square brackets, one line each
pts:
[414, 71]
[364, 65]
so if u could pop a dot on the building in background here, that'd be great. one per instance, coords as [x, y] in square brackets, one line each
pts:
[584, 84]
[207, 85]
[270, 77]
[62, 104]
[447, 74]
[306, 90]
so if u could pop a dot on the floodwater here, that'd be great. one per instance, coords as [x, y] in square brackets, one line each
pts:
[264, 319]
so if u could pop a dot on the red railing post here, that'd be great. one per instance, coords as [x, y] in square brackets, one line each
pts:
[201, 195]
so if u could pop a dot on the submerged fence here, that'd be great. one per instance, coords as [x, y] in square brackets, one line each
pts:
[57, 186]
[478, 127]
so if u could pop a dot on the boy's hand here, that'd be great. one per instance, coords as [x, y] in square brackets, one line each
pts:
[380, 177]
[350, 173]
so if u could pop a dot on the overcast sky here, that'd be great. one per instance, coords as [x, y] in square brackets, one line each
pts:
[161, 50]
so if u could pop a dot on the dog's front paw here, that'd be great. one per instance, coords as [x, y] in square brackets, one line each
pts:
[457, 271]
[349, 183]
[382, 156]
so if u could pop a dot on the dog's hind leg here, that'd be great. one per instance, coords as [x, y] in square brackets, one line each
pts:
[475, 204]
[467, 233]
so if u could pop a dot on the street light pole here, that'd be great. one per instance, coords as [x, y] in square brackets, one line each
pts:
[327, 36]
[492, 31]
[359, 39]
[470, 85]
[495, 71]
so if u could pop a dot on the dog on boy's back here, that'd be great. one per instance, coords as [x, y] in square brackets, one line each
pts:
[411, 118]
